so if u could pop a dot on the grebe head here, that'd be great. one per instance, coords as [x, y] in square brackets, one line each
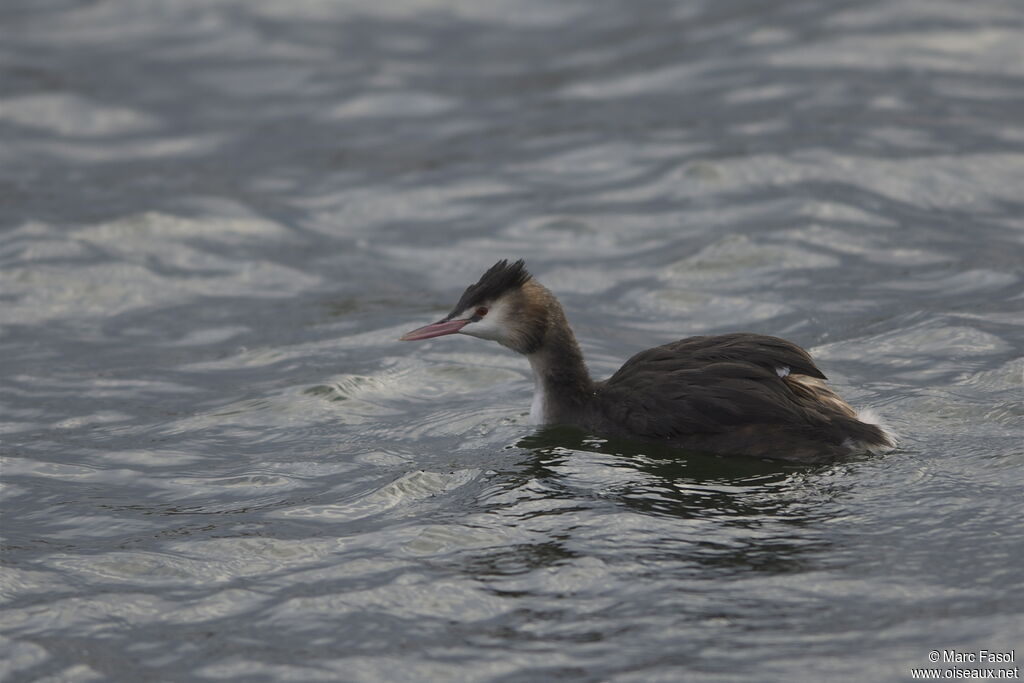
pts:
[505, 306]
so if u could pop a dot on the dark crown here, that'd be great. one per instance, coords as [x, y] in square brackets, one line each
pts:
[499, 279]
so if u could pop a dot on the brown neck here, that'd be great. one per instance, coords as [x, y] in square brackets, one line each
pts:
[563, 388]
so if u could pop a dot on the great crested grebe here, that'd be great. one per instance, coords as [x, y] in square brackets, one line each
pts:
[731, 394]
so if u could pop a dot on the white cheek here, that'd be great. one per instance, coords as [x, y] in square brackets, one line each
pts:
[494, 325]
[485, 329]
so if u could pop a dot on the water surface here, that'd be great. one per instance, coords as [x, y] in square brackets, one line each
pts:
[217, 217]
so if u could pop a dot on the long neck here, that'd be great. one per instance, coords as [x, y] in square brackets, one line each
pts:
[562, 386]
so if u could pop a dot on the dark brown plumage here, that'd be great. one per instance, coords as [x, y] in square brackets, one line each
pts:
[499, 279]
[738, 394]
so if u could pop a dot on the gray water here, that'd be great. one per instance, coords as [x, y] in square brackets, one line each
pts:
[218, 216]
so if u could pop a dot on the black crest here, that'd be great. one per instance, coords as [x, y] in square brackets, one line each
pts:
[499, 279]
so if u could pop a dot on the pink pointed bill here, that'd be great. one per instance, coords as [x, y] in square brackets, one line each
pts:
[438, 329]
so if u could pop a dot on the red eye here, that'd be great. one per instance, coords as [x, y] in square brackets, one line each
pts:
[482, 311]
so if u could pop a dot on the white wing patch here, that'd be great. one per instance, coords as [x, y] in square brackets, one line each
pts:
[783, 370]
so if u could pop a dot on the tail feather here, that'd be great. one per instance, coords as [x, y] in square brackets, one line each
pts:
[878, 437]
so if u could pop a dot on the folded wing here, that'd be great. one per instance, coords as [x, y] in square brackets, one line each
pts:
[711, 385]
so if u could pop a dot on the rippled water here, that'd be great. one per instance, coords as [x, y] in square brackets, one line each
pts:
[218, 216]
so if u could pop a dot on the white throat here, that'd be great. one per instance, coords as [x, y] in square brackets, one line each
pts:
[538, 407]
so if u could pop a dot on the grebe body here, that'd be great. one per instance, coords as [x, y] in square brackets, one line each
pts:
[732, 394]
